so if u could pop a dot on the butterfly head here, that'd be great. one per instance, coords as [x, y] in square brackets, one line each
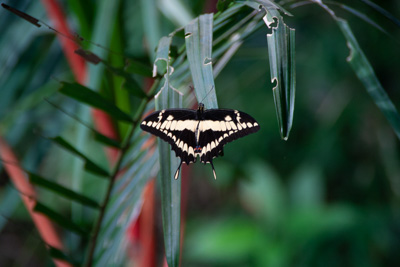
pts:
[200, 109]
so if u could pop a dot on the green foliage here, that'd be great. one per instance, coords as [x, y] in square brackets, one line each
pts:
[332, 187]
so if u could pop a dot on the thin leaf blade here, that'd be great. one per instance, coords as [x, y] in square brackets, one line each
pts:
[365, 73]
[94, 99]
[61, 190]
[60, 219]
[89, 164]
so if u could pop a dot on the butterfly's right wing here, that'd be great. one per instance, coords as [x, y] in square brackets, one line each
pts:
[177, 127]
[221, 126]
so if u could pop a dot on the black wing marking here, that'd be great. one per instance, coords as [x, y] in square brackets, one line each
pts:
[221, 126]
[176, 126]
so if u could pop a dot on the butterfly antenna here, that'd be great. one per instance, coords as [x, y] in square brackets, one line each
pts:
[212, 166]
[177, 171]
[207, 94]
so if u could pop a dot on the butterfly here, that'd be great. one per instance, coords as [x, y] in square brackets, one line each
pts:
[199, 133]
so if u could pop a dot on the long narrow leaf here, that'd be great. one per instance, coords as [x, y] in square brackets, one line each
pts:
[89, 164]
[94, 99]
[60, 219]
[101, 138]
[138, 68]
[61, 190]
[130, 84]
[281, 51]
[45, 227]
[365, 73]
[58, 254]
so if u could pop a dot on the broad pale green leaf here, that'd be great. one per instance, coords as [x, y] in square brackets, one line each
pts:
[235, 40]
[85, 95]
[60, 219]
[124, 207]
[89, 164]
[170, 188]
[61, 190]
[198, 37]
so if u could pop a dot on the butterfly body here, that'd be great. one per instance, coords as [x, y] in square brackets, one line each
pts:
[199, 133]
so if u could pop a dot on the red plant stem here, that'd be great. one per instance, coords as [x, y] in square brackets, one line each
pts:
[27, 192]
[146, 222]
[105, 126]
[101, 120]
[58, 18]
[184, 198]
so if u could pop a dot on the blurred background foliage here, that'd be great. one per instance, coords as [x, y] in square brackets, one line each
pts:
[329, 196]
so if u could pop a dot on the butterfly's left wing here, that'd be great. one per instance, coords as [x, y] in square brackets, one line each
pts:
[221, 126]
[176, 126]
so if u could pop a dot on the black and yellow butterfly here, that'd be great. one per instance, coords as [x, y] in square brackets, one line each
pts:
[200, 132]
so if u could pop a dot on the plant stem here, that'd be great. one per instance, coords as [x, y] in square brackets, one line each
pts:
[125, 147]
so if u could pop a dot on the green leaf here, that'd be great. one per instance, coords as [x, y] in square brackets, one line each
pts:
[101, 138]
[104, 15]
[281, 47]
[94, 99]
[58, 254]
[89, 165]
[162, 56]
[170, 188]
[10, 200]
[138, 68]
[27, 103]
[264, 193]
[198, 38]
[129, 84]
[124, 205]
[151, 24]
[229, 240]
[281, 51]
[383, 12]
[60, 219]
[61, 190]
[222, 5]
[365, 73]
[306, 188]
